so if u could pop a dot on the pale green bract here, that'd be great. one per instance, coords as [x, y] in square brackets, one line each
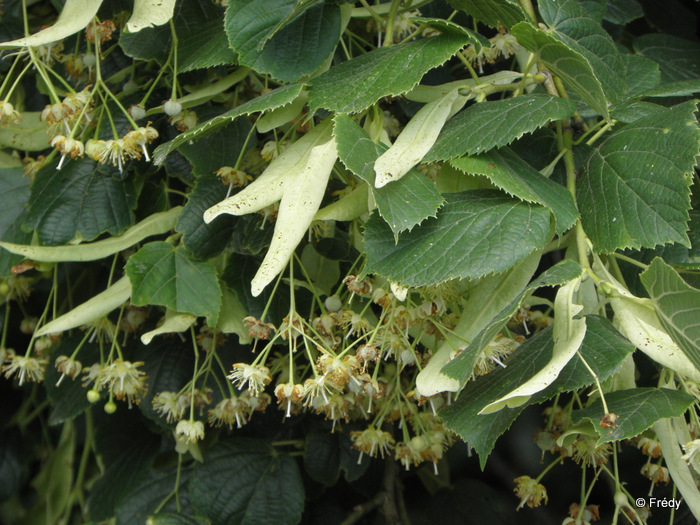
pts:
[417, 138]
[77, 14]
[298, 179]
[569, 331]
[636, 319]
[487, 299]
[156, 224]
[91, 310]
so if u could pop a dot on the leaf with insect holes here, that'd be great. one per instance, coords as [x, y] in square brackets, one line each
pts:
[634, 189]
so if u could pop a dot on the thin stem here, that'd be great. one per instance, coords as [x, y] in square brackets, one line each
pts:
[630, 260]
[389, 38]
[597, 381]
[16, 82]
[547, 469]
[527, 6]
[173, 33]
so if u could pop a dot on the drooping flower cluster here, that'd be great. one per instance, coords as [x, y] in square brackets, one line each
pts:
[117, 151]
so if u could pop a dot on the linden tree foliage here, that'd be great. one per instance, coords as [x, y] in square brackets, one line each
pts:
[291, 261]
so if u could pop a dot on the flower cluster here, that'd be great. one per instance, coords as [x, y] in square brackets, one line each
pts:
[122, 379]
[26, 368]
[502, 45]
[117, 151]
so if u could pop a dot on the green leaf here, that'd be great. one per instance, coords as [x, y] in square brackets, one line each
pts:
[151, 43]
[642, 75]
[295, 50]
[218, 149]
[573, 67]
[202, 239]
[322, 456]
[403, 204]
[14, 194]
[573, 26]
[69, 398]
[681, 88]
[167, 276]
[144, 497]
[622, 12]
[245, 482]
[355, 85]
[677, 306]
[461, 367]
[54, 481]
[81, 200]
[127, 449]
[251, 235]
[323, 273]
[202, 41]
[493, 13]
[603, 348]
[678, 59]
[634, 190]
[471, 131]
[29, 134]
[513, 175]
[237, 276]
[637, 409]
[274, 99]
[13, 468]
[475, 233]
[175, 518]
[204, 44]
[633, 110]
[233, 312]
[299, 7]
[353, 464]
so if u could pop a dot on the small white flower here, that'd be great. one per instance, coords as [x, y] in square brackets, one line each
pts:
[190, 431]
